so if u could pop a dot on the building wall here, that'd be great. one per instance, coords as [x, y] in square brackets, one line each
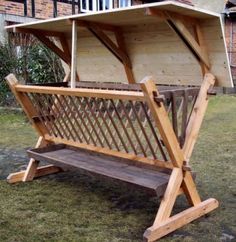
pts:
[2, 20]
[212, 5]
[230, 36]
[43, 8]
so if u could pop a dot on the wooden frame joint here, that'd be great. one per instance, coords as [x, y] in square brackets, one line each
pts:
[159, 99]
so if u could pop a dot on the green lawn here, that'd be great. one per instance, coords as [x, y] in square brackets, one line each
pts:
[77, 207]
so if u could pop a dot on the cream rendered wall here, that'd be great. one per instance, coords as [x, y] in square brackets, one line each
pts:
[213, 5]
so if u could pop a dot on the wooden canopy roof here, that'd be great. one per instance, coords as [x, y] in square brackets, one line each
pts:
[174, 42]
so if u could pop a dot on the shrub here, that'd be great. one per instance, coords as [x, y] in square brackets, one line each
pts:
[29, 60]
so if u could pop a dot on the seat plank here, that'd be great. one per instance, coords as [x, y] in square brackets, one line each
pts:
[109, 166]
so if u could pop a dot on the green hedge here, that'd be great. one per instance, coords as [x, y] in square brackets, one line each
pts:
[30, 61]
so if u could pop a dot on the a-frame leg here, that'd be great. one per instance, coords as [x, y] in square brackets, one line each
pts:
[170, 196]
[32, 170]
[177, 221]
[33, 164]
[190, 189]
[180, 179]
[164, 223]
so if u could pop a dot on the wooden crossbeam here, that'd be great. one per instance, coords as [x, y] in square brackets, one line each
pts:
[182, 31]
[83, 92]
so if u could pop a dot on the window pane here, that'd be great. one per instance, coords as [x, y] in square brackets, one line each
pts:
[124, 3]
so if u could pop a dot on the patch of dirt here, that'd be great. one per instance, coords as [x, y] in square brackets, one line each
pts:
[11, 161]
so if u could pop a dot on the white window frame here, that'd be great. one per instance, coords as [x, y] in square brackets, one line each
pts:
[87, 9]
[107, 5]
[110, 5]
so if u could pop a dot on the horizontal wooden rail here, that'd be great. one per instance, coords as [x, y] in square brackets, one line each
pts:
[83, 92]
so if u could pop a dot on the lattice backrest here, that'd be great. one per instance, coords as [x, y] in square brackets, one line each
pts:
[123, 124]
[179, 101]
[179, 105]
[109, 121]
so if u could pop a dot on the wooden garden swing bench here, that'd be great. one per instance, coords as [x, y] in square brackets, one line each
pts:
[139, 133]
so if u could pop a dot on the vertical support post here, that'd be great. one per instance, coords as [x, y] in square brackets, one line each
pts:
[74, 54]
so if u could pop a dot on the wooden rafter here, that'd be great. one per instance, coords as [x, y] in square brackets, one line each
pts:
[43, 36]
[64, 45]
[109, 44]
[178, 26]
[40, 36]
[119, 50]
[121, 44]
